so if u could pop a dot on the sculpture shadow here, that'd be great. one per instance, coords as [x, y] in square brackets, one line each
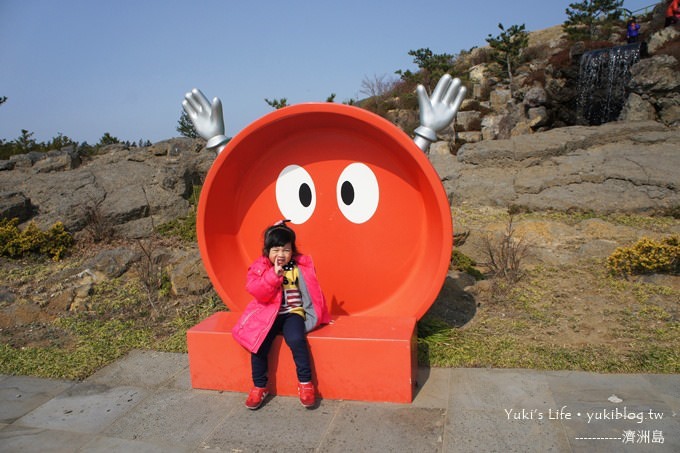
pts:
[454, 307]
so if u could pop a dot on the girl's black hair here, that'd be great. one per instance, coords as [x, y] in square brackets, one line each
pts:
[279, 235]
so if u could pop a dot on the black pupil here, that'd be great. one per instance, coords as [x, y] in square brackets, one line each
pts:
[305, 195]
[347, 193]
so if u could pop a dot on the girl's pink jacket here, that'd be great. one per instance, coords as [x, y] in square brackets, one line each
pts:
[266, 287]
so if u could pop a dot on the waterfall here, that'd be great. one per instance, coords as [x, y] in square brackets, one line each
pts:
[603, 76]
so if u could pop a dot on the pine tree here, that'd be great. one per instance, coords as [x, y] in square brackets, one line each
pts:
[508, 46]
[432, 67]
[185, 127]
[590, 20]
[108, 139]
[277, 103]
[25, 143]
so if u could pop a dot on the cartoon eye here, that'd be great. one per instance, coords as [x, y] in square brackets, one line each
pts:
[295, 194]
[358, 193]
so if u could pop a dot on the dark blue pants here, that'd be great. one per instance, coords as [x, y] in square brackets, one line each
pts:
[293, 328]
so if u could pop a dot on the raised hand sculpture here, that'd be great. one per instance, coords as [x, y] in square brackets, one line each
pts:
[206, 117]
[436, 113]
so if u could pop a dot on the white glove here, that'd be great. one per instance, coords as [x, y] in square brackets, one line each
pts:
[438, 112]
[206, 117]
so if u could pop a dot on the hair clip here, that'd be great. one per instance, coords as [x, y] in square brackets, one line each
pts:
[281, 222]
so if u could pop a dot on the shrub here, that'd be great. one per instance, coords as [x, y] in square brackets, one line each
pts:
[431, 66]
[506, 253]
[16, 243]
[541, 51]
[561, 59]
[97, 226]
[56, 241]
[462, 262]
[183, 228]
[647, 256]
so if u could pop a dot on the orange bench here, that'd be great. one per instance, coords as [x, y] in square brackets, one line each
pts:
[353, 358]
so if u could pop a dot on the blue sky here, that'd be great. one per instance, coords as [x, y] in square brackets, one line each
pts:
[86, 67]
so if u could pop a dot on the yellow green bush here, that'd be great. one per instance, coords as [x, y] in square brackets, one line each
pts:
[16, 243]
[647, 256]
[462, 262]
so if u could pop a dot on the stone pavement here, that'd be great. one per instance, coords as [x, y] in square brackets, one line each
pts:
[144, 403]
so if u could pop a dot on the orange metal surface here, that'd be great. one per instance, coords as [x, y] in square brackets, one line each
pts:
[354, 358]
[389, 263]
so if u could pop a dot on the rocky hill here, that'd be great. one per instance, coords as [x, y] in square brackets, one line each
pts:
[124, 194]
[552, 88]
[127, 189]
[509, 153]
[616, 167]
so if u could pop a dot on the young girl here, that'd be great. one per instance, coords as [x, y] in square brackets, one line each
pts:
[288, 300]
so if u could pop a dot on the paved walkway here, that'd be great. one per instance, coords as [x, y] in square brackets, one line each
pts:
[144, 403]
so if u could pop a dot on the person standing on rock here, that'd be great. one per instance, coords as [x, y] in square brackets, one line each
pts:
[672, 13]
[633, 32]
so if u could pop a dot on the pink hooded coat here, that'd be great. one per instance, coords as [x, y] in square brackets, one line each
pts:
[266, 287]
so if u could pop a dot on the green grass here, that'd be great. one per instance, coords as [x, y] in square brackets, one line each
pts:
[183, 228]
[519, 328]
[473, 348]
[95, 341]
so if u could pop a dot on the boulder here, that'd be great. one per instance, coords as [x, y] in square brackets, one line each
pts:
[15, 205]
[187, 274]
[112, 263]
[440, 147]
[27, 160]
[655, 81]
[637, 109]
[538, 116]
[406, 120]
[477, 73]
[615, 167]
[470, 103]
[535, 97]
[521, 128]
[58, 160]
[661, 37]
[470, 137]
[469, 121]
[669, 109]
[491, 127]
[499, 99]
[656, 74]
[131, 190]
